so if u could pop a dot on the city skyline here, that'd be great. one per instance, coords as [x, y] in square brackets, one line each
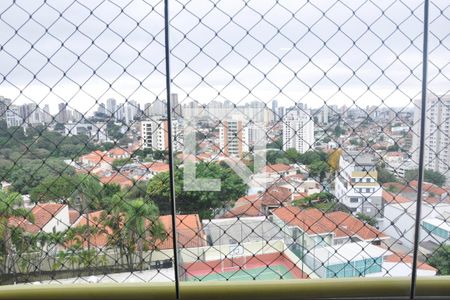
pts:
[329, 70]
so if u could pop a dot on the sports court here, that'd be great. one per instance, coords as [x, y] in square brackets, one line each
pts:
[261, 273]
[274, 266]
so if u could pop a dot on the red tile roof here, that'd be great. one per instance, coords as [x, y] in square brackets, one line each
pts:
[276, 196]
[117, 178]
[407, 259]
[350, 226]
[117, 152]
[95, 239]
[246, 210]
[42, 213]
[189, 232]
[391, 198]
[246, 206]
[24, 224]
[249, 199]
[96, 157]
[156, 166]
[314, 221]
[277, 168]
[430, 188]
[73, 216]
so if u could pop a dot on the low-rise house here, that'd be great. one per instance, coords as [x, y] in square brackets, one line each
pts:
[400, 264]
[356, 184]
[103, 159]
[278, 171]
[437, 228]
[260, 204]
[400, 215]
[241, 230]
[155, 168]
[334, 244]
[118, 153]
[123, 179]
[97, 159]
[190, 232]
[48, 218]
[432, 190]
[297, 184]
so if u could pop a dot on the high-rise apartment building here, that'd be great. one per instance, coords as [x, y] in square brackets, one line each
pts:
[47, 117]
[13, 117]
[62, 116]
[120, 112]
[154, 135]
[275, 106]
[132, 109]
[437, 134]
[111, 107]
[176, 106]
[4, 104]
[233, 138]
[155, 108]
[101, 109]
[298, 130]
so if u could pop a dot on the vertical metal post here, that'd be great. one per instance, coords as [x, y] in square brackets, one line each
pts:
[423, 109]
[170, 138]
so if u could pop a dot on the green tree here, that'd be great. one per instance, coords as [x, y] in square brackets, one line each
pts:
[319, 169]
[108, 146]
[385, 176]
[276, 144]
[160, 155]
[88, 193]
[431, 176]
[119, 163]
[114, 218]
[440, 259]
[139, 213]
[312, 156]
[272, 156]
[292, 155]
[10, 206]
[338, 131]
[206, 203]
[367, 219]
[354, 142]
[54, 189]
[114, 131]
[27, 174]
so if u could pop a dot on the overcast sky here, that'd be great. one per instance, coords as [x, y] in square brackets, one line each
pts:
[290, 50]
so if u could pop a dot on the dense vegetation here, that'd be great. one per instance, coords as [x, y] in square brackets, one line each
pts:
[28, 157]
[440, 259]
[429, 175]
[316, 161]
[206, 203]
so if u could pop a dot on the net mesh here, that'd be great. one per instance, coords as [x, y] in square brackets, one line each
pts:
[295, 137]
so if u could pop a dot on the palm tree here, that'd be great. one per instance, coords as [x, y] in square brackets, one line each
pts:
[114, 219]
[142, 225]
[89, 193]
[10, 206]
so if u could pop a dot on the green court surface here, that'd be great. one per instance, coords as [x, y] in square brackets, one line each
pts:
[261, 273]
